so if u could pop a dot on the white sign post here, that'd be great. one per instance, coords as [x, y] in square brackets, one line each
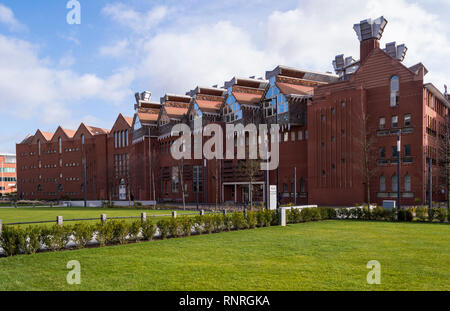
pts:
[273, 197]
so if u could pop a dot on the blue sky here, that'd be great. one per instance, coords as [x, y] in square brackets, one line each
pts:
[53, 73]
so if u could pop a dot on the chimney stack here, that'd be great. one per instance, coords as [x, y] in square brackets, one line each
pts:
[369, 33]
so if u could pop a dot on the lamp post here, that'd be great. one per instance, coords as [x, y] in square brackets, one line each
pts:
[398, 172]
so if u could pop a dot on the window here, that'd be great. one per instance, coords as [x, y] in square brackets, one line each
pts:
[407, 150]
[333, 111]
[343, 104]
[394, 91]
[60, 144]
[407, 183]
[407, 121]
[175, 179]
[382, 152]
[39, 188]
[322, 117]
[306, 134]
[300, 135]
[382, 122]
[286, 136]
[39, 147]
[126, 138]
[292, 136]
[232, 110]
[82, 139]
[198, 180]
[394, 183]
[333, 166]
[382, 183]
[285, 187]
[343, 132]
[115, 139]
[394, 121]
[333, 139]
[302, 185]
[394, 151]
[137, 124]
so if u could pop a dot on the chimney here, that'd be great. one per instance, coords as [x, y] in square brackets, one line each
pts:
[369, 34]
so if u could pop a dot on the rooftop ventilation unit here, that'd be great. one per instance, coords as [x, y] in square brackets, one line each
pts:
[370, 28]
[397, 52]
[344, 66]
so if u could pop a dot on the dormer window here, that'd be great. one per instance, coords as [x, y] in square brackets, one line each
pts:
[232, 111]
[395, 87]
[137, 124]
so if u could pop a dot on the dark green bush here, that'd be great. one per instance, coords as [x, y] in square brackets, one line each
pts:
[12, 240]
[105, 233]
[186, 225]
[218, 222]
[421, 213]
[199, 224]
[405, 215]
[441, 214]
[175, 228]
[148, 230]
[208, 223]
[260, 218]
[120, 231]
[164, 228]
[294, 216]
[228, 222]
[56, 237]
[134, 230]
[253, 219]
[267, 218]
[238, 221]
[315, 214]
[327, 213]
[83, 233]
[34, 239]
[274, 218]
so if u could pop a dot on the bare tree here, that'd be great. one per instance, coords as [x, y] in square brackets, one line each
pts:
[251, 171]
[444, 157]
[183, 188]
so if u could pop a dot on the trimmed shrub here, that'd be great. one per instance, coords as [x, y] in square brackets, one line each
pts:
[148, 230]
[164, 228]
[421, 213]
[441, 214]
[134, 230]
[105, 233]
[238, 221]
[174, 227]
[218, 222]
[305, 214]
[186, 225]
[120, 231]
[34, 239]
[260, 218]
[275, 217]
[83, 233]
[267, 218]
[228, 222]
[253, 219]
[315, 214]
[199, 224]
[294, 216]
[56, 237]
[405, 215]
[12, 240]
[327, 213]
[208, 222]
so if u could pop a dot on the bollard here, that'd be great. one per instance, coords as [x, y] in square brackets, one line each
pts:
[103, 218]
[202, 212]
[282, 217]
[143, 217]
[174, 214]
[59, 220]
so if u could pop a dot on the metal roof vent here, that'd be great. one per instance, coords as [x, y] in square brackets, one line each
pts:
[397, 52]
[370, 28]
[344, 66]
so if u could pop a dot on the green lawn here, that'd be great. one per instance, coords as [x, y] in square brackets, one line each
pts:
[328, 255]
[14, 215]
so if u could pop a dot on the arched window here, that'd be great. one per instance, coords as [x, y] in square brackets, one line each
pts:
[382, 183]
[407, 183]
[82, 139]
[60, 144]
[115, 139]
[39, 147]
[126, 138]
[395, 87]
[394, 183]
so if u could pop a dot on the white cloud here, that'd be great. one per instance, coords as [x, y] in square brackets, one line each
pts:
[32, 89]
[117, 49]
[7, 18]
[139, 22]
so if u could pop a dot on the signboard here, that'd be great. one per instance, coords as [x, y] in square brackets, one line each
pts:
[122, 192]
[389, 204]
[273, 197]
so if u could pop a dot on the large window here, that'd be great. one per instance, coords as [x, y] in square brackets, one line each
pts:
[137, 124]
[39, 147]
[274, 99]
[394, 121]
[232, 111]
[407, 150]
[394, 91]
[407, 183]
[382, 183]
[382, 122]
[198, 180]
[394, 183]
[407, 121]
[60, 145]
[175, 179]
[382, 152]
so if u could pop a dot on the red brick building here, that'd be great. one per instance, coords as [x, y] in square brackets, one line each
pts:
[8, 174]
[337, 140]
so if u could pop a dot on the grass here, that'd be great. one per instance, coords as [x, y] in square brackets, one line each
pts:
[329, 255]
[14, 215]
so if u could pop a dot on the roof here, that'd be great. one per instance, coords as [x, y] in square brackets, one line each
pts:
[434, 90]
[247, 98]
[288, 89]
[47, 135]
[302, 74]
[69, 133]
[211, 106]
[28, 139]
[148, 117]
[96, 130]
[129, 120]
[175, 112]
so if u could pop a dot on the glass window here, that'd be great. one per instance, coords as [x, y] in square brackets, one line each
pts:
[232, 111]
[306, 134]
[382, 183]
[126, 138]
[137, 124]
[407, 121]
[394, 183]
[394, 121]
[286, 136]
[382, 122]
[343, 104]
[39, 147]
[292, 136]
[394, 91]
[300, 135]
[382, 152]
[82, 140]
[302, 185]
[115, 139]
[407, 183]
[407, 150]
[60, 144]
[394, 151]
[198, 180]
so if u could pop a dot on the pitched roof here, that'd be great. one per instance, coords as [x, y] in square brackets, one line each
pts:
[129, 120]
[69, 133]
[211, 106]
[247, 98]
[28, 139]
[288, 89]
[47, 135]
[146, 117]
[96, 130]
[175, 112]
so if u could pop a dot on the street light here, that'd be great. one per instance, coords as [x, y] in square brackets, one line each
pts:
[398, 171]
